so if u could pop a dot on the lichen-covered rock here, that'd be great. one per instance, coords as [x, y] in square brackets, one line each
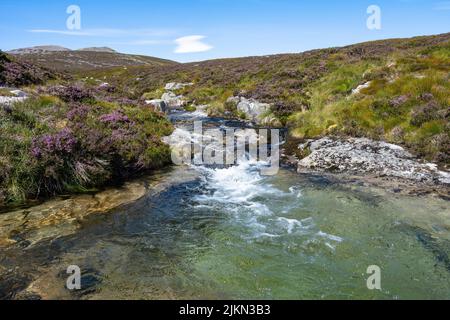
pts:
[17, 96]
[254, 111]
[173, 101]
[365, 156]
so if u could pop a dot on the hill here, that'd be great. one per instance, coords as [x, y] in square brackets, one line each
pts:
[65, 60]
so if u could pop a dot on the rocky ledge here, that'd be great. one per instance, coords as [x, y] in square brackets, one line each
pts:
[361, 156]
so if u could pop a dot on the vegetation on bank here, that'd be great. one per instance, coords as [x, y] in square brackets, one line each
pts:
[74, 139]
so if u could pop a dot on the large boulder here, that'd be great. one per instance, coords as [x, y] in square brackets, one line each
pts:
[365, 156]
[173, 101]
[254, 110]
[16, 96]
[158, 104]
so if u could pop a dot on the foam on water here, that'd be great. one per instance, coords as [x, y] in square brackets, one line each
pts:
[249, 199]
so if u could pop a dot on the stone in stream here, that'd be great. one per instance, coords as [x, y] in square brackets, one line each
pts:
[365, 156]
[12, 284]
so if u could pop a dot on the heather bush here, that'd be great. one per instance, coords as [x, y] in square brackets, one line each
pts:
[20, 73]
[72, 93]
[48, 146]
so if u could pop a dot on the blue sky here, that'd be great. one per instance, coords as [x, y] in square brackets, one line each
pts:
[192, 30]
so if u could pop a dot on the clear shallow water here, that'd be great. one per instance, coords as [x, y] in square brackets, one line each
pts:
[234, 234]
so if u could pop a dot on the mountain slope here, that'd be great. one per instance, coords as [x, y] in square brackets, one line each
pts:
[74, 61]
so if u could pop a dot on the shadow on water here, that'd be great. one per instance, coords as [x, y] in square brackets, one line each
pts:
[440, 248]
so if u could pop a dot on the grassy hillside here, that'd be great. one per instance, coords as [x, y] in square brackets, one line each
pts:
[404, 98]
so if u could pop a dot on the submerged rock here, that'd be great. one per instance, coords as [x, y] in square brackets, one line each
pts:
[363, 156]
[57, 218]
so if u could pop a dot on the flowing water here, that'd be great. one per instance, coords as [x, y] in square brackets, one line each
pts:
[209, 233]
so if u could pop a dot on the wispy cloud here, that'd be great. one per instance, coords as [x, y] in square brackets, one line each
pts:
[442, 6]
[191, 44]
[108, 32]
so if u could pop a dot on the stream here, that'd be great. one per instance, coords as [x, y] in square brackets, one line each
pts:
[198, 232]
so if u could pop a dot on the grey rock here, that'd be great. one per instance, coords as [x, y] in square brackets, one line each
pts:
[19, 93]
[19, 97]
[173, 86]
[234, 100]
[172, 101]
[365, 156]
[158, 104]
[253, 109]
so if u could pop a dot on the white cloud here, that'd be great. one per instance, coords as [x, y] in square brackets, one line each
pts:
[191, 44]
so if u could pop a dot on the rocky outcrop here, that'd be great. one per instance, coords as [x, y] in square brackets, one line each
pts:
[172, 101]
[169, 100]
[158, 104]
[255, 111]
[365, 156]
[173, 86]
[16, 96]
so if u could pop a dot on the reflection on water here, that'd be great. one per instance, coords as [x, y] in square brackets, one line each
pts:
[232, 233]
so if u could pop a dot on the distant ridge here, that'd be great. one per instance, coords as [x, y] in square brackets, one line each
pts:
[98, 49]
[51, 48]
[39, 49]
[65, 60]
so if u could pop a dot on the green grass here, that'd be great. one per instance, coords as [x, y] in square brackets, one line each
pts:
[6, 93]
